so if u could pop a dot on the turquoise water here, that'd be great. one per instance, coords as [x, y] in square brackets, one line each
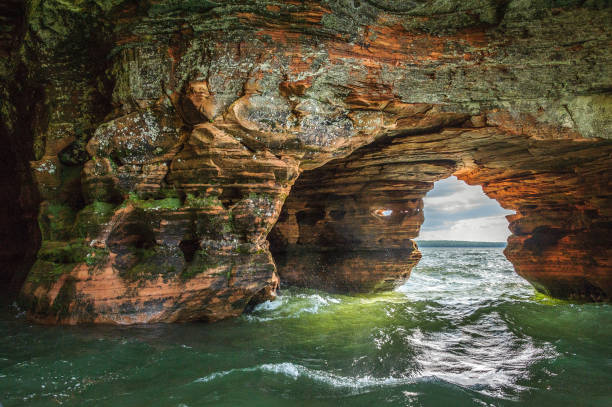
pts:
[464, 331]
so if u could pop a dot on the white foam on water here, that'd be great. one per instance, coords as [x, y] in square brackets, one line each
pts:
[317, 303]
[269, 305]
[457, 358]
[295, 371]
[291, 306]
[217, 375]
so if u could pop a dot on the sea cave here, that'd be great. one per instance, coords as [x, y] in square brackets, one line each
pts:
[182, 161]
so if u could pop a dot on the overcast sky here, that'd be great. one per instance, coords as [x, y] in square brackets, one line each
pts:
[457, 211]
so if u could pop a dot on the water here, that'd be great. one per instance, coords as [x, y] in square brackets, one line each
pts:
[464, 331]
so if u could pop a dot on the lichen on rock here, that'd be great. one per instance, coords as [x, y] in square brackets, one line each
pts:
[168, 142]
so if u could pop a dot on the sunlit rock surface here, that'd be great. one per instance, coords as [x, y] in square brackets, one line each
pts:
[164, 138]
[372, 199]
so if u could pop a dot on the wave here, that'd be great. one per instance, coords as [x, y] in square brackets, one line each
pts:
[291, 306]
[295, 371]
[354, 384]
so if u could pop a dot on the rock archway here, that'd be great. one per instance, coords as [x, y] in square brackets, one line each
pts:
[158, 141]
[349, 225]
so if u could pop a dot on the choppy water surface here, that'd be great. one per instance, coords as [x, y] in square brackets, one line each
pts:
[464, 331]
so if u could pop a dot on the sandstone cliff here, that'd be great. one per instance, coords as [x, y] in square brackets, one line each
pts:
[163, 145]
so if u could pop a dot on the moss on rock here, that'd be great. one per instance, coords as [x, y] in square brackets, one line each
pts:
[47, 272]
[55, 221]
[63, 252]
[149, 264]
[152, 204]
[207, 201]
[92, 218]
[64, 299]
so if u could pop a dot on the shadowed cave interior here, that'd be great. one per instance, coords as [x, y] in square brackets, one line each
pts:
[335, 259]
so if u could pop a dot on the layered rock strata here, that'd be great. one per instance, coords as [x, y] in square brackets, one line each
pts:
[371, 202]
[165, 136]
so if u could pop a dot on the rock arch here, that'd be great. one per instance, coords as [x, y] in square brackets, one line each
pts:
[560, 240]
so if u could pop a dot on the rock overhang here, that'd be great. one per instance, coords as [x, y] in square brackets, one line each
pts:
[211, 112]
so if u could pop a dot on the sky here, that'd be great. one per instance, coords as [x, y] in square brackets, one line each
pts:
[457, 211]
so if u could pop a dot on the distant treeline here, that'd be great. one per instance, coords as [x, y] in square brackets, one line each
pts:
[458, 243]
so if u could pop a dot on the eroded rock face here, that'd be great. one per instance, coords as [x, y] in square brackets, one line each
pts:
[166, 137]
[560, 242]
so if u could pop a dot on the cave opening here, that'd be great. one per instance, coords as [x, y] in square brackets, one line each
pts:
[456, 211]
[351, 224]
[462, 242]
[352, 242]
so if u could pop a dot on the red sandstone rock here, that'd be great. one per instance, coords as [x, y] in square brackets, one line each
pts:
[205, 117]
[331, 208]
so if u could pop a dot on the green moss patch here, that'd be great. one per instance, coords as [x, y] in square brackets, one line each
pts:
[201, 263]
[56, 258]
[181, 6]
[63, 300]
[202, 202]
[151, 263]
[46, 272]
[96, 256]
[90, 219]
[63, 252]
[55, 221]
[173, 203]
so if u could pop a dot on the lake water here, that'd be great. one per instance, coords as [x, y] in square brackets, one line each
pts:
[463, 331]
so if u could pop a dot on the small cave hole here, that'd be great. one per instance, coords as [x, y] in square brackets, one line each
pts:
[189, 249]
[132, 234]
[337, 214]
[284, 215]
[383, 212]
[542, 238]
[230, 196]
[131, 241]
[310, 216]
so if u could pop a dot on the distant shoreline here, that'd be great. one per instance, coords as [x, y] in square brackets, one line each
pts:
[458, 243]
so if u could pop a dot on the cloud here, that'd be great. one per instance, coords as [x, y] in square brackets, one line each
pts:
[457, 211]
[444, 188]
[488, 229]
